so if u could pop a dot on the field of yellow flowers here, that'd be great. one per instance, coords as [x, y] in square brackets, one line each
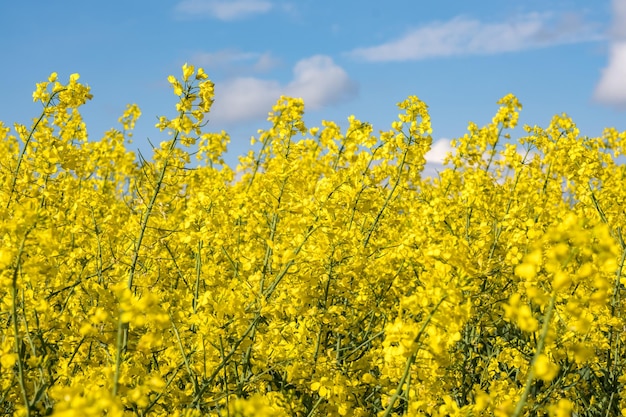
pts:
[324, 276]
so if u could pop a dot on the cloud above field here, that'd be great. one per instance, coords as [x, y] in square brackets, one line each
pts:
[611, 89]
[317, 79]
[466, 36]
[233, 60]
[435, 156]
[438, 151]
[222, 9]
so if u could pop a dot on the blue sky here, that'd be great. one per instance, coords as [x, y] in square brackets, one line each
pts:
[342, 57]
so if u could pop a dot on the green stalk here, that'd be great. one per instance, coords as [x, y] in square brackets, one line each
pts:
[196, 286]
[270, 290]
[226, 358]
[273, 226]
[16, 330]
[192, 375]
[540, 344]
[411, 361]
[30, 136]
[257, 163]
[148, 212]
[122, 328]
[389, 196]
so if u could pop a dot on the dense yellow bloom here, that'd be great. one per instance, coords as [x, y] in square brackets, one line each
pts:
[327, 274]
[563, 408]
[544, 369]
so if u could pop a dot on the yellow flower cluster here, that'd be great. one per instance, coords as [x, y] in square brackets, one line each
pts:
[325, 275]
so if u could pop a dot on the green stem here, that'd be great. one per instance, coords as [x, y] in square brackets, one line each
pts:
[16, 330]
[196, 287]
[409, 363]
[388, 199]
[122, 328]
[23, 152]
[540, 344]
[226, 358]
[192, 375]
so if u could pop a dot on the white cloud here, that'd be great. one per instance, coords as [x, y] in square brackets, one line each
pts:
[464, 36]
[222, 9]
[611, 89]
[435, 156]
[318, 80]
[242, 99]
[233, 60]
[265, 62]
[438, 151]
[221, 58]
[618, 31]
